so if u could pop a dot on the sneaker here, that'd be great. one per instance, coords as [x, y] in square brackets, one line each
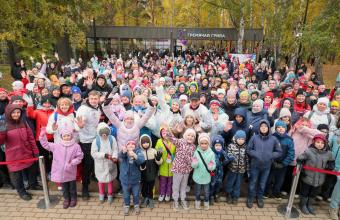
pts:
[284, 193]
[161, 198]
[217, 198]
[334, 213]
[126, 210]
[73, 202]
[145, 202]
[249, 203]
[39, 179]
[66, 204]
[151, 204]
[198, 205]
[296, 196]
[211, 200]
[277, 196]
[9, 185]
[265, 195]
[176, 206]
[229, 199]
[206, 206]
[120, 193]
[260, 203]
[167, 198]
[185, 205]
[37, 187]
[26, 185]
[85, 194]
[329, 200]
[49, 175]
[188, 189]
[319, 198]
[137, 210]
[235, 199]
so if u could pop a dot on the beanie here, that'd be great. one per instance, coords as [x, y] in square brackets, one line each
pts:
[183, 97]
[301, 92]
[189, 130]
[30, 86]
[45, 99]
[215, 102]
[324, 100]
[220, 91]
[218, 139]
[145, 139]
[131, 140]
[204, 136]
[319, 139]
[153, 97]
[322, 127]
[189, 112]
[18, 85]
[15, 98]
[270, 94]
[3, 90]
[177, 101]
[231, 93]
[105, 131]
[337, 92]
[240, 134]
[127, 94]
[285, 112]
[129, 114]
[335, 103]
[258, 102]
[244, 93]
[280, 123]
[242, 81]
[116, 96]
[75, 89]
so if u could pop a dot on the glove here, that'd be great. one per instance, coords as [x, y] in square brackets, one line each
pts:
[70, 164]
[150, 103]
[303, 172]
[158, 156]
[42, 132]
[210, 165]
[143, 165]
[330, 165]
[28, 100]
[114, 90]
[107, 102]
[114, 160]
[232, 158]
[36, 156]
[194, 161]
[107, 156]
[300, 162]
[275, 165]
[222, 158]
[280, 166]
[3, 126]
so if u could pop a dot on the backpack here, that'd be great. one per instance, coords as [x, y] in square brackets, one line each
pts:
[328, 116]
[98, 142]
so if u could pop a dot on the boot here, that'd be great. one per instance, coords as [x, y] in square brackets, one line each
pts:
[85, 194]
[249, 203]
[217, 198]
[334, 213]
[229, 199]
[101, 198]
[302, 205]
[310, 207]
[211, 200]
[109, 199]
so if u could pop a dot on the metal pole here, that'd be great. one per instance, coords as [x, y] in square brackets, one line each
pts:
[252, 48]
[95, 36]
[171, 44]
[48, 202]
[288, 210]
[304, 22]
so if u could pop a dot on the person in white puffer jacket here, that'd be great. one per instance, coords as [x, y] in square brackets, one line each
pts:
[218, 118]
[64, 115]
[321, 115]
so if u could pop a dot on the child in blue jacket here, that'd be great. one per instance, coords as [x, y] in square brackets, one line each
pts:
[279, 165]
[262, 149]
[130, 174]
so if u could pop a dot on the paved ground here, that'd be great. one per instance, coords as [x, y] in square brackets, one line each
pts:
[14, 208]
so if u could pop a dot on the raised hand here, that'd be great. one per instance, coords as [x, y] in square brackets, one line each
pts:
[271, 110]
[198, 127]
[124, 150]
[3, 126]
[180, 128]
[215, 115]
[275, 101]
[31, 58]
[228, 126]
[80, 122]
[232, 158]
[43, 55]
[54, 126]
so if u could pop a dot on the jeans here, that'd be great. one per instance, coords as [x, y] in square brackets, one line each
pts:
[17, 179]
[233, 184]
[205, 191]
[88, 164]
[127, 192]
[257, 174]
[336, 196]
[279, 175]
[308, 190]
[69, 190]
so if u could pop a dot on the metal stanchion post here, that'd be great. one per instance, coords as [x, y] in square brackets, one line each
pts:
[288, 210]
[48, 202]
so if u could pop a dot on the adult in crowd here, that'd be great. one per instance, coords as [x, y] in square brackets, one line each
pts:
[17, 67]
[218, 118]
[301, 106]
[257, 114]
[289, 104]
[230, 103]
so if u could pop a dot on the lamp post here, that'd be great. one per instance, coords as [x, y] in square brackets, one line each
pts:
[304, 22]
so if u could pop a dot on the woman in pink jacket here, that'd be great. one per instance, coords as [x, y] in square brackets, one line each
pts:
[67, 154]
[302, 134]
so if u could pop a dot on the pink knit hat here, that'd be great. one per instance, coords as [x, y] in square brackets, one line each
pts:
[128, 114]
[204, 136]
[231, 93]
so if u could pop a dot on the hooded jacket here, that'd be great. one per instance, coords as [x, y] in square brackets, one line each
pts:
[105, 89]
[192, 83]
[16, 71]
[254, 120]
[19, 141]
[105, 169]
[316, 158]
[263, 149]
[201, 175]
[229, 109]
[294, 115]
[241, 163]
[178, 94]
[54, 100]
[150, 171]
[218, 177]
[287, 146]
[217, 126]
[130, 173]
[334, 147]
[65, 158]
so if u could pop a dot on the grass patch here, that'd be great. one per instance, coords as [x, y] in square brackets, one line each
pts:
[6, 80]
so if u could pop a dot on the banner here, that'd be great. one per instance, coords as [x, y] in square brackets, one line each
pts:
[242, 57]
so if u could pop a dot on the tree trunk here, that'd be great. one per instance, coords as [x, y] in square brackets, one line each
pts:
[163, 18]
[241, 33]
[110, 11]
[11, 53]
[137, 15]
[172, 11]
[318, 65]
[153, 12]
[250, 24]
[223, 18]
[274, 35]
[296, 29]
[124, 6]
[279, 46]
[262, 25]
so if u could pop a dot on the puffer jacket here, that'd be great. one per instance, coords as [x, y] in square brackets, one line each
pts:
[169, 117]
[150, 171]
[254, 120]
[218, 125]
[230, 109]
[263, 149]
[65, 158]
[201, 175]
[287, 146]
[202, 114]
[247, 106]
[334, 147]
[241, 163]
[184, 152]
[164, 169]
[105, 170]
[130, 173]
[299, 108]
[317, 159]
[19, 141]
[41, 117]
[124, 133]
[294, 115]
[91, 115]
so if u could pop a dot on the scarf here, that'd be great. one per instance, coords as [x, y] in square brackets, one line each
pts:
[128, 126]
[194, 108]
[67, 143]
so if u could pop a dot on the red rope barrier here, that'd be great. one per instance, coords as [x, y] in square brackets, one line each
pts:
[19, 161]
[318, 170]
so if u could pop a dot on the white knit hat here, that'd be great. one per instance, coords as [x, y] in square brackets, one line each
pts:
[324, 100]
[285, 112]
[220, 91]
[258, 102]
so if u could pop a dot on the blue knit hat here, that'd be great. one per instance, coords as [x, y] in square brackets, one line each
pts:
[280, 123]
[76, 89]
[240, 134]
[218, 139]
[127, 94]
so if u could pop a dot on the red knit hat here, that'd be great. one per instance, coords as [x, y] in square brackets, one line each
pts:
[146, 82]
[3, 90]
[270, 94]
[319, 139]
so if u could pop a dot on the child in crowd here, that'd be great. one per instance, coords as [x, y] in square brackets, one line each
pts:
[220, 160]
[181, 166]
[262, 149]
[149, 169]
[67, 154]
[118, 107]
[239, 165]
[165, 174]
[130, 174]
[203, 163]
[104, 151]
[317, 156]
[279, 165]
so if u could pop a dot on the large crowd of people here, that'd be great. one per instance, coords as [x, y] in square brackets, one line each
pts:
[192, 121]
